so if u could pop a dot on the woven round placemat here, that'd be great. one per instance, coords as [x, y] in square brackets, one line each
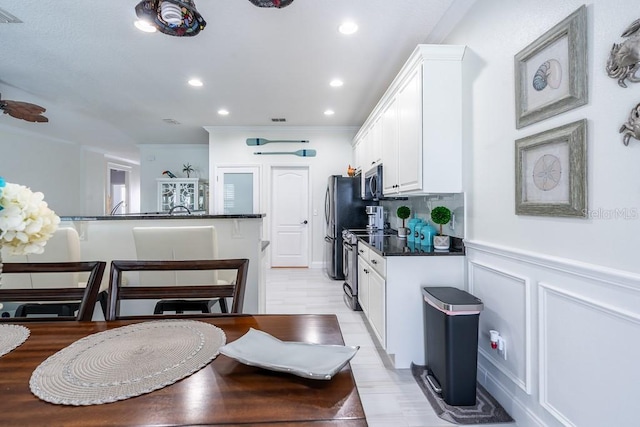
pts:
[11, 336]
[126, 362]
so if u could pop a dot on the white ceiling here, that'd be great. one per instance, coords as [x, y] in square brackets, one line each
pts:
[106, 84]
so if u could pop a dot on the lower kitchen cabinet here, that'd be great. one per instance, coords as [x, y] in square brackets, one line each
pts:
[371, 296]
[390, 293]
[377, 309]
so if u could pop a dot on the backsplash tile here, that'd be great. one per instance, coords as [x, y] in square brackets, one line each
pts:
[421, 208]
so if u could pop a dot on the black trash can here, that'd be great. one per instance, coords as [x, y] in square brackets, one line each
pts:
[451, 329]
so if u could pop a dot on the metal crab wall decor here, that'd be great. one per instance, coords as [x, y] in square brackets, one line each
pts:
[631, 129]
[624, 58]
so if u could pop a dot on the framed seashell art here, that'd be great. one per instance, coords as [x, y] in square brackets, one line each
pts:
[551, 73]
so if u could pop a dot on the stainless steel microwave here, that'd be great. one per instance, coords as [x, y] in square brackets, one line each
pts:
[373, 184]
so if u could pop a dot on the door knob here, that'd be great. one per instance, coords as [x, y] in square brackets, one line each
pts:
[305, 221]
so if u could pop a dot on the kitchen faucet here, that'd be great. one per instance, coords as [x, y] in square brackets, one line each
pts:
[179, 206]
[116, 207]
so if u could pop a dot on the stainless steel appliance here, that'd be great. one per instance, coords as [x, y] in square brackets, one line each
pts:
[375, 218]
[373, 184]
[350, 269]
[343, 209]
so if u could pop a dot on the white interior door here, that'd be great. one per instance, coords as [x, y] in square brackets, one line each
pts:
[290, 217]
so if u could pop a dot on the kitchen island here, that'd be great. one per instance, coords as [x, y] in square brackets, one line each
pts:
[105, 238]
[391, 275]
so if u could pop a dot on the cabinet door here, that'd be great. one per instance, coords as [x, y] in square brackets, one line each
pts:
[377, 306]
[363, 284]
[410, 133]
[357, 155]
[376, 142]
[178, 192]
[390, 149]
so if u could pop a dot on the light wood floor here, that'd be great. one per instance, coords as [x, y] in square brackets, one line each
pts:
[391, 397]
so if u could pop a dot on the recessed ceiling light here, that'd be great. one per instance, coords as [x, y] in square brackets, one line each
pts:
[336, 83]
[223, 112]
[348, 27]
[145, 26]
[329, 112]
[195, 82]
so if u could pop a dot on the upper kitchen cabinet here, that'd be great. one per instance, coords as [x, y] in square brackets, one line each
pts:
[368, 146]
[420, 116]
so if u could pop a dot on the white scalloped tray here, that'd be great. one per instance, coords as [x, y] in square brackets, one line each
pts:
[315, 361]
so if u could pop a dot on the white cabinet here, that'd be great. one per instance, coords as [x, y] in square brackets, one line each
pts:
[421, 116]
[372, 290]
[188, 192]
[390, 294]
[410, 133]
[390, 154]
[375, 143]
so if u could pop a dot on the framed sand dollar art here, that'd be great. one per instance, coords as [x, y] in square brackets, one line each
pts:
[551, 176]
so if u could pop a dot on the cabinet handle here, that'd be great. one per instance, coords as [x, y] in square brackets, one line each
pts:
[374, 262]
[366, 271]
[360, 251]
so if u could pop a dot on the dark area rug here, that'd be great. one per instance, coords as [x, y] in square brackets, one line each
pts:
[486, 411]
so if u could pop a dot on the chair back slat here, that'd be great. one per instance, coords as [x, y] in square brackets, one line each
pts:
[87, 295]
[118, 292]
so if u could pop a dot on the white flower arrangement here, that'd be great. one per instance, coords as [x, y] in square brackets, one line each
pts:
[26, 221]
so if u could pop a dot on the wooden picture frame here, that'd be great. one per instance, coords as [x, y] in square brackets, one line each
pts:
[551, 73]
[551, 172]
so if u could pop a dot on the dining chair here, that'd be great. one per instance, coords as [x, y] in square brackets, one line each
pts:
[194, 289]
[180, 243]
[73, 301]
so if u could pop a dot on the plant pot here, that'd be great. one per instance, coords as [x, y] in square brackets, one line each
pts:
[402, 232]
[441, 242]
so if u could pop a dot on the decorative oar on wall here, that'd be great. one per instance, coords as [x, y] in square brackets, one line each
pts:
[262, 141]
[300, 153]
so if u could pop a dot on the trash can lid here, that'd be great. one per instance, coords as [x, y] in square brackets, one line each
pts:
[452, 300]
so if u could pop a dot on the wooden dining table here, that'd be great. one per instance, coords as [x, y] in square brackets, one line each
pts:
[225, 392]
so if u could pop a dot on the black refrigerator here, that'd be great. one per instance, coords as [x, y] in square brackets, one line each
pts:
[343, 209]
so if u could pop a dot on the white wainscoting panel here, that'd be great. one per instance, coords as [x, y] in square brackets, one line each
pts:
[583, 348]
[589, 376]
[507, 300]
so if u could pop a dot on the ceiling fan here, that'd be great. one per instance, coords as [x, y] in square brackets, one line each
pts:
[23, 110]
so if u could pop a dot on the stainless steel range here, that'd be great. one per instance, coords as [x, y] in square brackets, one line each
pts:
[350, 267]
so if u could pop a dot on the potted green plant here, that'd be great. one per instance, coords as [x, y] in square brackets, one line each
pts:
[441, 215]
[403, 213]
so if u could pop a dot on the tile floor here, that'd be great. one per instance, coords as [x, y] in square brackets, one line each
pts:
[390, 397]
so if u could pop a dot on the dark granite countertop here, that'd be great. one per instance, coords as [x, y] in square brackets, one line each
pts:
[156, 215]
[388, 243]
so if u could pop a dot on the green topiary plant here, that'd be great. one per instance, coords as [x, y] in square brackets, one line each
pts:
[403, 213]
[440, 215]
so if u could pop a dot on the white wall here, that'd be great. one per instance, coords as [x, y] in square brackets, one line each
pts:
[227, 146]
[72, 178]
[155, 159]
[564, 292]
[49, 166]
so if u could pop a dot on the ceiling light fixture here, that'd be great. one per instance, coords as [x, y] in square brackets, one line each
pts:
[195, 82]
[272, 3]
[329, 112]
[336, 83]
[348, 27]
[173, 17]
[223, 112]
